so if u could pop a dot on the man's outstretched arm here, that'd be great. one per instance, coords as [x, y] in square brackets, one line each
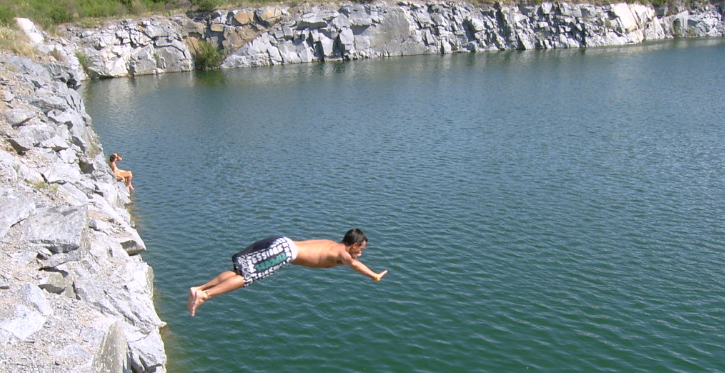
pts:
[362, 268]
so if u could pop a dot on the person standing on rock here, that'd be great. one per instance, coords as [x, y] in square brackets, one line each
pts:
[121, 175]
[264, 257]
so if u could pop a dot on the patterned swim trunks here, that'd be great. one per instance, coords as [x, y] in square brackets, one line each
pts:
[263, 258]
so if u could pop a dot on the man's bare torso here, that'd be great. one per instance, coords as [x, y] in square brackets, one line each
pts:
[318, 253]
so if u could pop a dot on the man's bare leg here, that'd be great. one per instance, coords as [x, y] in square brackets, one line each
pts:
[191, 303]
[223, 283]
[216, 280]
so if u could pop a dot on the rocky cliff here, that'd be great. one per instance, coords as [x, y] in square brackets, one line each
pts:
[75, 295]
[273, 35]
[379, 30]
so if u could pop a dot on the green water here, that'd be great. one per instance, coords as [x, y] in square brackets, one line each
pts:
[553, 211]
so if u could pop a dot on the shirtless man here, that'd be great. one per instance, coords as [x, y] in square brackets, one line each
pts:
[262, 258]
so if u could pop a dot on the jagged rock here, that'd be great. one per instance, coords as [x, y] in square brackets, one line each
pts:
[269, 15]
[71, 194]
[116, 228]
[146, 353]
[15, 207]
[9, 167]
[59, 229]
[21, 323]
[34, 297]
[7, 97]
[57, 282]
[18, 117]
[28, 315]
[42, 135]
[30, 70]
[243, 18]
[21, 144]
[111, 356]
[29, 28]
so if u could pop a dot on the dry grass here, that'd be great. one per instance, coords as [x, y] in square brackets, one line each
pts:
[16, 42]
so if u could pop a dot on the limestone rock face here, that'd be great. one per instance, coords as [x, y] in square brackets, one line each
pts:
[272, 35]
[356, 31]
[74, 296]
[148, 46]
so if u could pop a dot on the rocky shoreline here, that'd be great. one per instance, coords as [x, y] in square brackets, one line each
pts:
[274, 35]
[77, 296]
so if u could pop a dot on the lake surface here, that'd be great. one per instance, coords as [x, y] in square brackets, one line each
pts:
[552, 211]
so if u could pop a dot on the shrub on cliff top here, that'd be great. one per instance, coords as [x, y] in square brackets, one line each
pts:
[6, 15]
[206, 5]
[52, 12]
[207, 56]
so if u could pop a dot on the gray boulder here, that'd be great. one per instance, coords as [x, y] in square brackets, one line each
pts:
[57, 229]
[15, 207]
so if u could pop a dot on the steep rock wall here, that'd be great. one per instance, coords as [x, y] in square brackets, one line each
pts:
[75, 296]
[274, 35]
[358, 31]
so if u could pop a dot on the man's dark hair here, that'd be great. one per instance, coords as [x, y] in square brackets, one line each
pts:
[354, 236]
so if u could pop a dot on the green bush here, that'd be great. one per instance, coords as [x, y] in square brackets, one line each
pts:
[6, 15]
[60, 14]
[53, 12]
[82, 60]
[208, 56]
[206, 5]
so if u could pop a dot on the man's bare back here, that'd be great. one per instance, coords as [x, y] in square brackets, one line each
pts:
[328, 253]
[318, 253]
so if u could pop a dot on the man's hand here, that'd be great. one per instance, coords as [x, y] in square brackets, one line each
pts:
[380, 275]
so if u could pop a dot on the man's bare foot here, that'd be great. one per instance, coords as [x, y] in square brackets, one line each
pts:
[199, 297]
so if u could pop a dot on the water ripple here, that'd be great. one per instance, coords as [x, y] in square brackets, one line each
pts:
[574, 231]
